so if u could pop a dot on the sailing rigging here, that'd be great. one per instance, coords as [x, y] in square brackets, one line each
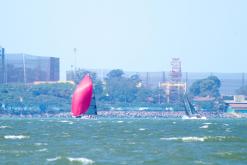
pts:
[83, 98]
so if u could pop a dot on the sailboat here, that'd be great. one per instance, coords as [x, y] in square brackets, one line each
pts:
[83, 99]
[190, 110]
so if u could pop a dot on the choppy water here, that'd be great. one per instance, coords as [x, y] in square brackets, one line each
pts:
[123, 141]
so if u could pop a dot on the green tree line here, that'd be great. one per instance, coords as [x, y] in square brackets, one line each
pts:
[116, 89]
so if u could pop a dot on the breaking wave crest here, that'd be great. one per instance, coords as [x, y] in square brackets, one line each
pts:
[204, 139]
[184, 139]
[84, 161]
[66, 121]
[13, 137]
[4, 126]
[40, 144]
[204, 126]
[54, 159]
[42, 150]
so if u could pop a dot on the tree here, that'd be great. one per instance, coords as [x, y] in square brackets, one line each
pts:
[80, 73]
[206, 87]
[97, 84]
[120, 88]
[116, 73]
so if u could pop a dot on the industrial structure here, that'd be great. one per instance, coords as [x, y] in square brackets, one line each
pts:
[238, 103]
[174, 88]
[230, 82]
[24, 68]
[2, 66]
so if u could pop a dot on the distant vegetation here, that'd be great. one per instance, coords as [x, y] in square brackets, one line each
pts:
[35, 99]
[208, 87]
[117, 90]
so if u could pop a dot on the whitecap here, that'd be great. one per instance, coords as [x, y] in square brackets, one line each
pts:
[13, 137]
[204, 126]
[4, 126]
[226, 124]
[191, 139]
[54, 159]
[142, 129]
[218, 138]
[207, 123]
[66, 121]
[174, 122]
[84, 161]
[120, 121]
[42, 150]
[170, 138]
[40, 144]
[185, 139]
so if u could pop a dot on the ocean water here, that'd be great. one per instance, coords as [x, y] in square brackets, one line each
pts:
[107, 141]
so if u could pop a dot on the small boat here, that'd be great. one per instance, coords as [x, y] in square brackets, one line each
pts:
[83, 99]
[190, 111]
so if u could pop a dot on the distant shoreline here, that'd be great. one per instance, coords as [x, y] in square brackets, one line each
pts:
[131, 114]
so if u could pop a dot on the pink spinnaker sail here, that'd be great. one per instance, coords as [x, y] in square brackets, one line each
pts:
[82, 96]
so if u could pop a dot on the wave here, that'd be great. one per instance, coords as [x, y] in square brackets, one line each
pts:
[54, 159]
[4, 126]
[42, 150]
[142, 129]
[204, 126]
[66, 121]
[204, 138]
[185, 139]
[13, 137]
[228, 130]
[84, 161]
[40, 144]
[207, 123]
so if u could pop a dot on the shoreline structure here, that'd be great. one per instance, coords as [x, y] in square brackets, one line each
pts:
[133, 114]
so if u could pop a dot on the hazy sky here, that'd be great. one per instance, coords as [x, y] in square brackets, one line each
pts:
[134, 35]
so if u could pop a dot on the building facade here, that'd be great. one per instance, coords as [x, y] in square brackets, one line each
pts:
[24, 68]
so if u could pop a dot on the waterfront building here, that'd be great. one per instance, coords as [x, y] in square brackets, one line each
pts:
[236, 103]
[25, 68]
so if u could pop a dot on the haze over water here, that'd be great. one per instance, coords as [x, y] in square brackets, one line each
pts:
[140, 35]
[123, 141]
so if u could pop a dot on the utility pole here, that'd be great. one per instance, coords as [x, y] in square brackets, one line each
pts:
[75, 51]
[24, 69]
[243, 79]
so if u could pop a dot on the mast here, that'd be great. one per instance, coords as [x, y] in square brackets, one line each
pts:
[192, 108]
[187, 106]
[92, 110]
